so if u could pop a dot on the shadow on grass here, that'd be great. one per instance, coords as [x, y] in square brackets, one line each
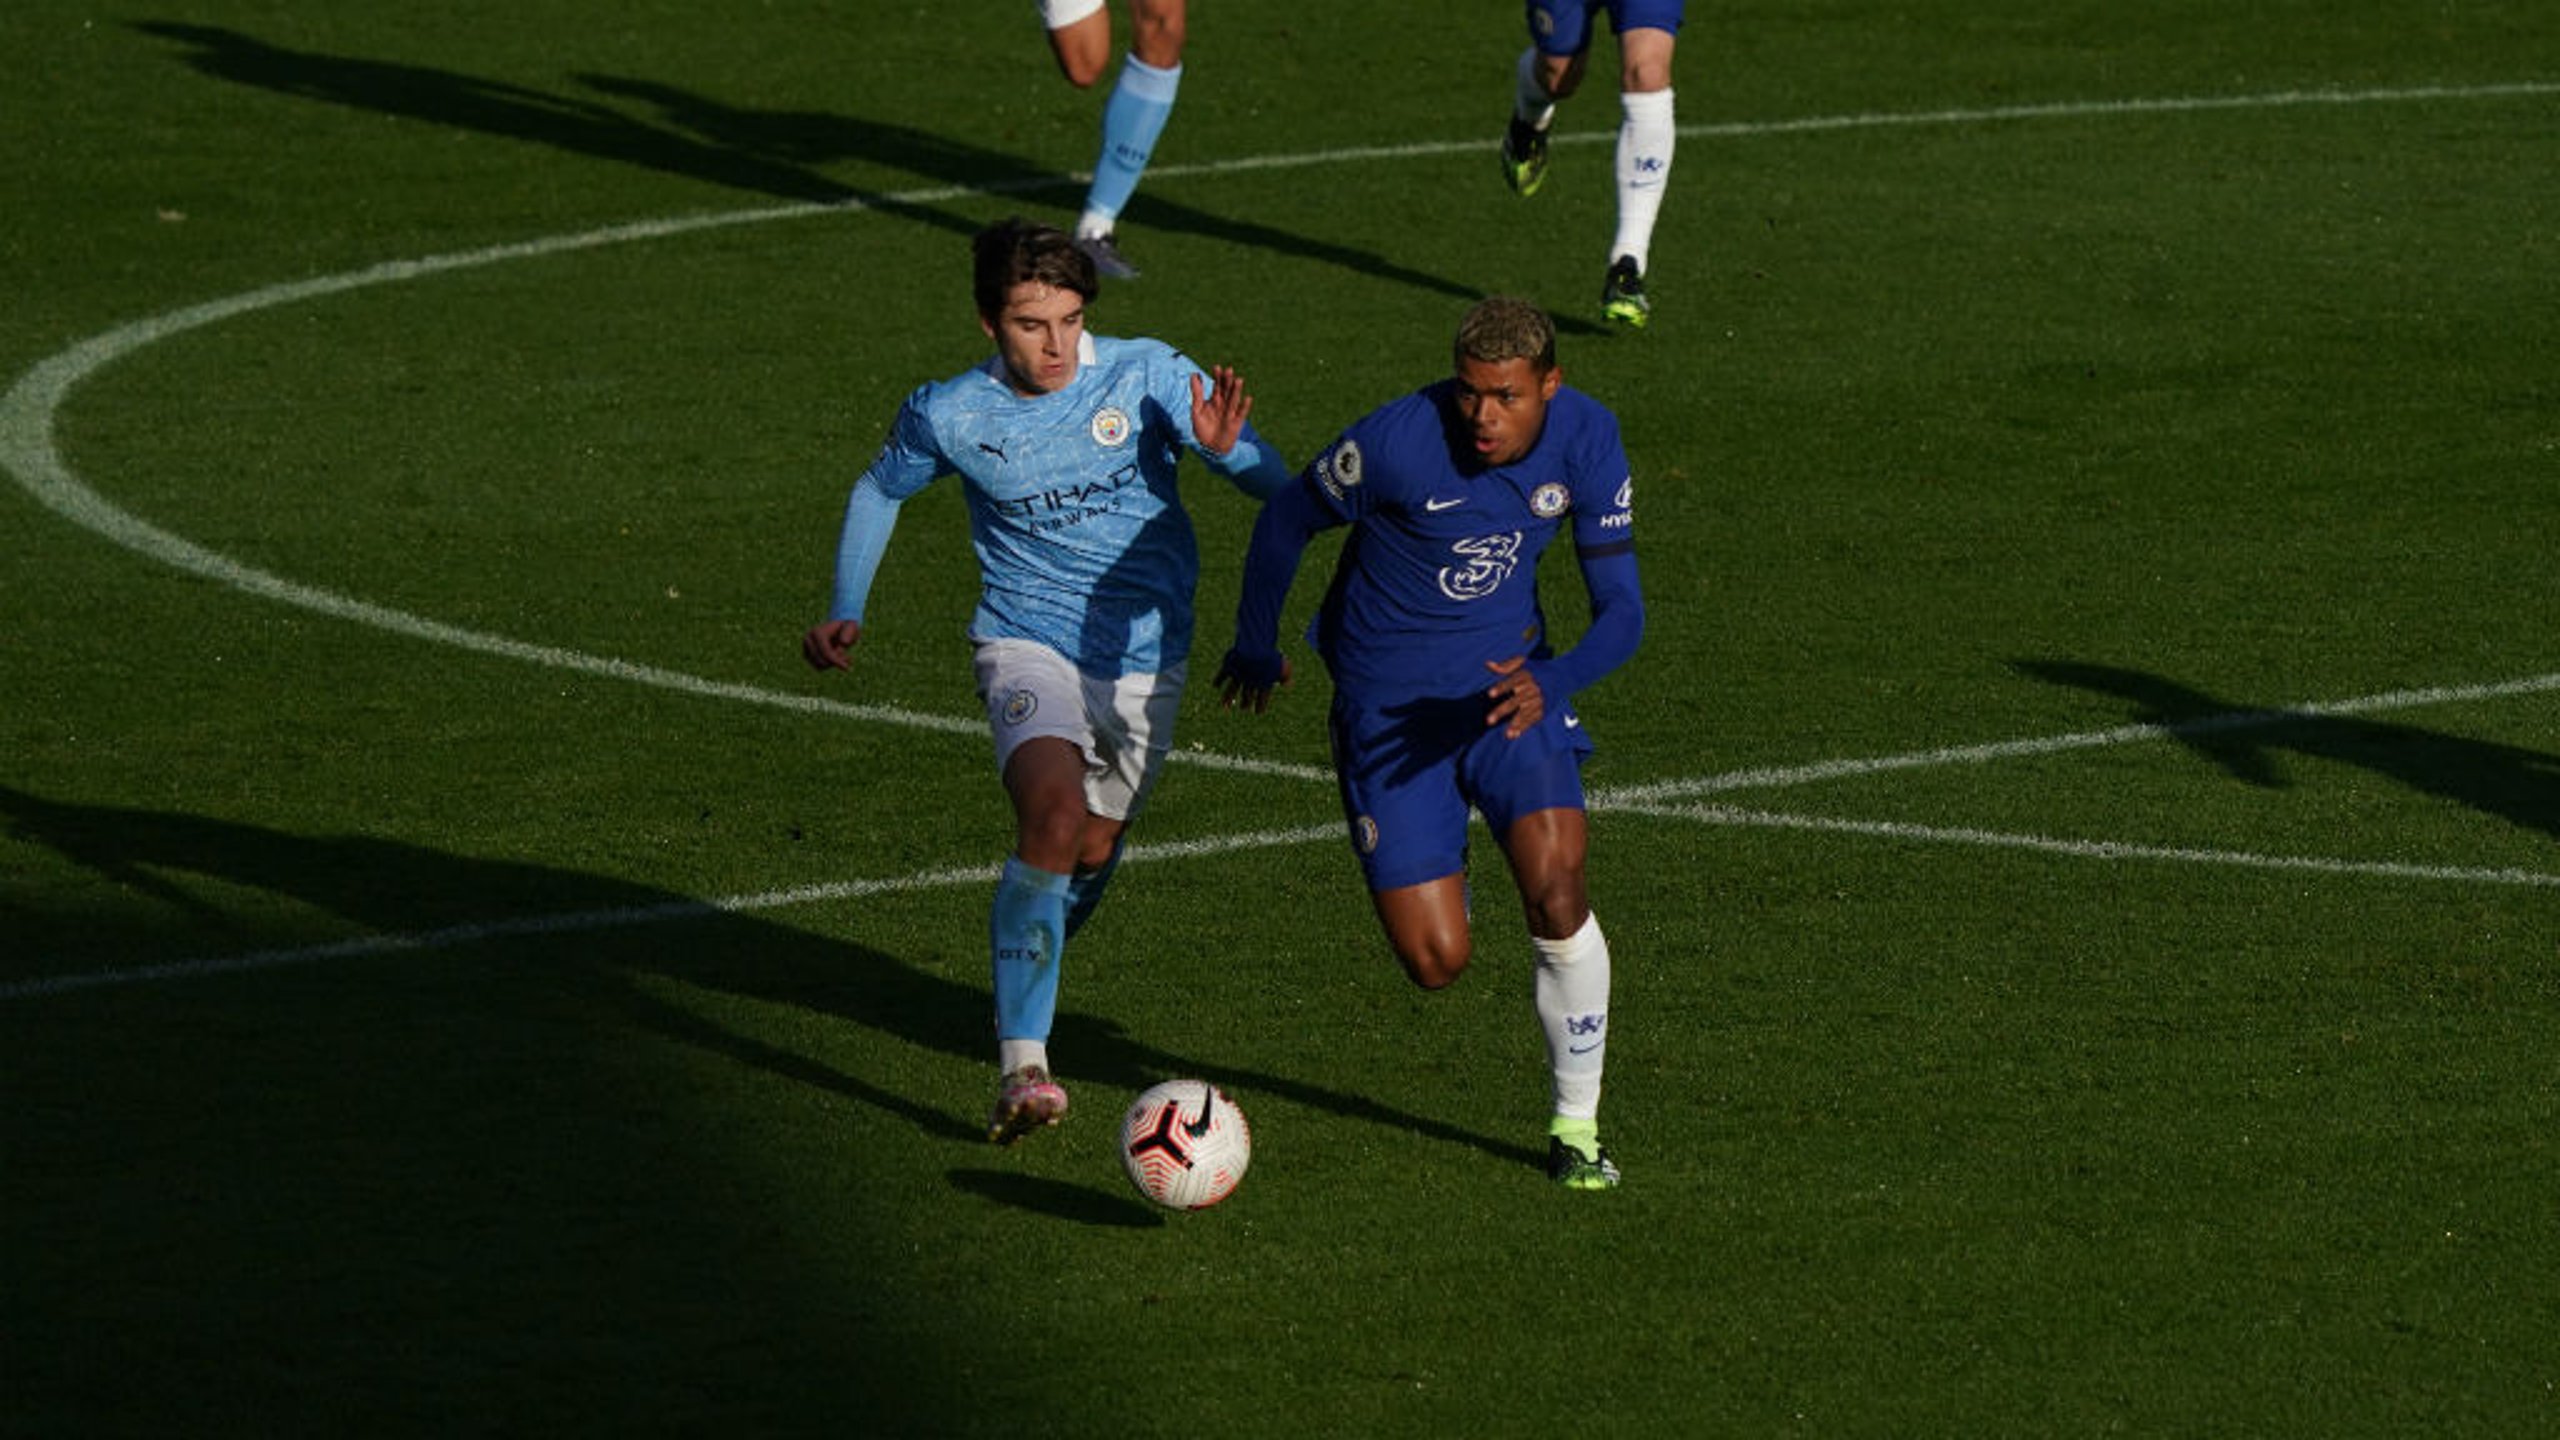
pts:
[464, 1175]
[445, 1185]
[410, 899]
[1058, 1200]
[778, 153]
[2512, 784]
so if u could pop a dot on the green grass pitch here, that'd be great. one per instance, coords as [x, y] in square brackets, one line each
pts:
[2081, 840]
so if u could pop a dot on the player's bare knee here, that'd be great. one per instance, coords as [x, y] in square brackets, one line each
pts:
[1556, 910]
[1159, 36]
[1049, 838]
[1434, 967]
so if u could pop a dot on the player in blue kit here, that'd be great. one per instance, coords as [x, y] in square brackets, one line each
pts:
[1066, 445]
[1550, 70]
[1447, 693]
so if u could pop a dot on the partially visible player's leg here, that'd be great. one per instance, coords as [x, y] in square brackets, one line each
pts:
[1132, 719]
[1034, 708]
[1648, 133]
[1027, 932]
[1132, 121]
[1080, 38]
[1426, 923]
[1531, 792]
[1548, 71]
[1397, 774]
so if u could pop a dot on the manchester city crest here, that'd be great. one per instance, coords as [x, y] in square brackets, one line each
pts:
[1111, 426]
[1019, 706]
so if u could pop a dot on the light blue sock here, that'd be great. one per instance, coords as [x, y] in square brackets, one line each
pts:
[1132, 118]
[1027, 928]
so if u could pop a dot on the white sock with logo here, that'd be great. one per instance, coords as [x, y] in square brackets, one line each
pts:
[1647, 135]
[1572, 992]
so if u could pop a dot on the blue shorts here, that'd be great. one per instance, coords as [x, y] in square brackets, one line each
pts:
[1410, 771]
[1563, 27]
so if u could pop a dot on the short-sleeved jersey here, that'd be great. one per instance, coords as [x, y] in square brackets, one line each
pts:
[1082, 542]
[1439, 575]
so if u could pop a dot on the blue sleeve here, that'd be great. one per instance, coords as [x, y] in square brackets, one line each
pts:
[1252, 466]
[1294, 515]
[909, 461]
[869, 516]
[1617, 623]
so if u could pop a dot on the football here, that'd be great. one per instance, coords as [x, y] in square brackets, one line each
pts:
[1185, 1144]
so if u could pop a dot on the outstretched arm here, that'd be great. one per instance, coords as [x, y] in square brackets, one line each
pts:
[1253, 666]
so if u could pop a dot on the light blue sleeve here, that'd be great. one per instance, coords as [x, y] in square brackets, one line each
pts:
[910, 460]
[1252, 466]
[869, 516]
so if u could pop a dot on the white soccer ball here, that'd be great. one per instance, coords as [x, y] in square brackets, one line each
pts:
[1185, 1144]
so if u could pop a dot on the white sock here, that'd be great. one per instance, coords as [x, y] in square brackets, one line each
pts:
[1529, 99]
[1646, 137]
[1572, 992]
[1012, 1055]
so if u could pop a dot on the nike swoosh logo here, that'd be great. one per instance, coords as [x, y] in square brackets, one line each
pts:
[1584, 1049]
[1435, 506]
[1208, 1104]
[1573, 722]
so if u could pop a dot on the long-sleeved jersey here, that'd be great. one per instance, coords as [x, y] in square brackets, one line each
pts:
[1439, 575]
[1083, 544]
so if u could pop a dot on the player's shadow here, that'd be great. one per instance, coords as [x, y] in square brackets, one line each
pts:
[415, 897]
[2514, 784]
[813, 138]
[662, 127]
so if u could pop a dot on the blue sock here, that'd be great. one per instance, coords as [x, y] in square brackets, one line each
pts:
[1028, 931]
[1132, 118]
[1084, 892]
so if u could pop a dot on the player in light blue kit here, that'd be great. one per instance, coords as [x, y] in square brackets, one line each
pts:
[1133, 117]
[1447, 693]
[1065, 443]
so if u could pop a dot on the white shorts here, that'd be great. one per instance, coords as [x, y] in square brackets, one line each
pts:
[1123, 726]
[1059, 14]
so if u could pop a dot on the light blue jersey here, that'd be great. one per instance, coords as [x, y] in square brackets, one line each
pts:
[1083, 544]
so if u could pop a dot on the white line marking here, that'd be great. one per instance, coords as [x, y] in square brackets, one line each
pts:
[28, 452]
[2092, 849]
[1634, 796]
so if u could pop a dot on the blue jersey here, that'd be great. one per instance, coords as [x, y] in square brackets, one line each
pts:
[1082, 542]
[1439, 575]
